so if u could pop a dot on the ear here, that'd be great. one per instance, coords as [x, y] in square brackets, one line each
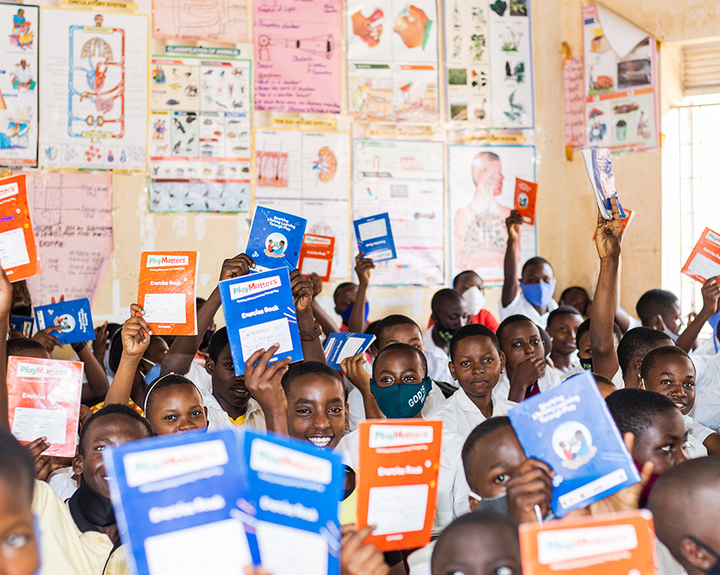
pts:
[452, 370]
[503, 359]
[77, 465]
[657, 323]
[696, 555]
[209, 366]
[473, 503]
[347, 417]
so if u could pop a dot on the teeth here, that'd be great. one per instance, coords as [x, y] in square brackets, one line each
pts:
[320, 441]
[679, 405]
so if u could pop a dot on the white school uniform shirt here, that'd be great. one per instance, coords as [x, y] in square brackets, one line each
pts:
[522, 306]
[218, 418]
[547, 381]
[617, 379]
[666, 563]
[460, 415]
[437, 361]
[707, 390]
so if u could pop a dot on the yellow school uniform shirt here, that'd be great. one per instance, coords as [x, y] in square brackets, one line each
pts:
[238, 420]
[64, 549]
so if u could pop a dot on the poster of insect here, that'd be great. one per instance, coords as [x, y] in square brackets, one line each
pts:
[488, 63]
[200, 134]
[94, 90]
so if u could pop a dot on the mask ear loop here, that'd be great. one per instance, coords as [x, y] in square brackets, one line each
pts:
[153, 385]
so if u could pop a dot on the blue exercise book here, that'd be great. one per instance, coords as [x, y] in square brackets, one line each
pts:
[259, 312]
[338, 346]
[22, 323]
[74, 316]
[275, 239]
[570, 428]
[176, 503]
[293, 490]
[374, 237]
[598, 164]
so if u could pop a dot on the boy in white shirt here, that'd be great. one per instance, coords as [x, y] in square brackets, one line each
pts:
[449, 314]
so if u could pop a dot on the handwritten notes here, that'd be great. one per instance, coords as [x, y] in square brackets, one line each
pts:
[574, 103]
[297, 55]
[217, 20]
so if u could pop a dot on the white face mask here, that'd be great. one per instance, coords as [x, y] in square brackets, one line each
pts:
[475, 299]
[671, 335]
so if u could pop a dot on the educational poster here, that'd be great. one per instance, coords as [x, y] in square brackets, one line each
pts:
[72, 218]
[19, 85]
[482, 192]
[200, 134]
[392, 59]
[620, 83]
[94, 90]
[574, 103]
[216, 20]
[297, 55]
[306, 173]
[405, 179]
[489, 63]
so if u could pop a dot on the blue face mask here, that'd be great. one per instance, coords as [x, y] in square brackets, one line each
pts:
[402, 400]
[347, 312]
[153, 374]
[539, 294]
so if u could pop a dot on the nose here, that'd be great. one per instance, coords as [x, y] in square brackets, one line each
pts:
[528, 348]
[186, 424]
[678, 391]
[478, 368]
[321, 421]
[681, 455]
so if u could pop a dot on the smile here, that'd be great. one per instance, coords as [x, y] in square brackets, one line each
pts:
[318, 441]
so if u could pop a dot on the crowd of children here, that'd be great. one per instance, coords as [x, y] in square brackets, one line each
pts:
[466, 370]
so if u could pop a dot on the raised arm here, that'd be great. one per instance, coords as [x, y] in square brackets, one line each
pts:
[512, 253]
[608, 238]
[5, 305]
[326, 322]
[97, 380]
[363, 268]
[264, 382]
[309, 329]
[711, 295]
[352, 368]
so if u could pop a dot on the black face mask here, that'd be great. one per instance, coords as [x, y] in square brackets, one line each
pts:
[445, 333]
[586, 363]
[23, 310]
[96, 508]
[495, 504]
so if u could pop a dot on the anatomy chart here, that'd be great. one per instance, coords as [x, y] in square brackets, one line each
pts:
[200, 134]
[482, 193]
[72, 219]
[306, 173]
[297, 55]
[620, 83]
[489, 66]
[18, 85]
[94, 90]
[216, 20]
[405, 179]
[393, 61]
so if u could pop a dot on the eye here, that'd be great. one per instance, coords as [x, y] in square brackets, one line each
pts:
[516, 344]
[489, 359]
[408, 378]
[666, 448]
[336, 410]
[387, 379]
[502, 478]
[196, 413]
[689, 384]
[16, 541]
[169, 418]
[99, 448]
[665, 382]
[464, 363]
[535, 341]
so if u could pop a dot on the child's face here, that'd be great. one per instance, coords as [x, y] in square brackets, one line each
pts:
[585, 349]
[563, 330]
[176, 409]
[401, 366]
[317, 411]
[521, 340]
[479, 550]
[346, 298]
[576, 298]
[405, 333]
[495, 459]
[663, 442]
[477, 365]
[157, 349]
[18, 546]
[453, 315]
[536, 273]
[674, 377]
[226, 386]
[467, 281]
[673, 318]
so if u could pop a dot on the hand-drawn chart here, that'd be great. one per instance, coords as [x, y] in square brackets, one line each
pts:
[95, 91]
[217, 20]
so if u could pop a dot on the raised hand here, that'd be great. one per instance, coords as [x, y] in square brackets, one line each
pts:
[135, 333]
[47, 339]
[317, 283]
[530, 486]
[608, 234]
[514, 223]
[358, 557]
[302, 290]
[238, 266]
[363, 268]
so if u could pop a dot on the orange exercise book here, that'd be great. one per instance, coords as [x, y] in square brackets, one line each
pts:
[18, 253]
[44, 401]
[316, 255]
[166, 292]
[594, 545]
[397, 481]
[526, 199]
[704, 261]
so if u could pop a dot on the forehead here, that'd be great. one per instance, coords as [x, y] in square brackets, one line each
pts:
[501, 445]
[475, 546]
[402, 333]
[468, 280]
[676, 364]
[180, 392]
[398, 359]
[667, 423]
[521, 329]
[346, 292]
[576, 294]
[540, 270]
[475, 344]
[572, 319]
[316, 386]
[118, 427]
[452, 305]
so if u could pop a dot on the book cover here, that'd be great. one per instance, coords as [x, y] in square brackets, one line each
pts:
[166, 291]
[596, 545]
[260, 312]
[598, 164]
[18, 252]
[316, 256]
[374, 237]
[293, 491]
[397, 481]
[176, 502]
[73, 316]
[570, 428]
[625, 221]
[704, 260]
[275, 239]
[44, 401]
[22, 323]
[525, 200]
[338, 346]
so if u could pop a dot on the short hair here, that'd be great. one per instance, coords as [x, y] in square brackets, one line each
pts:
[306, 368]
[381, 326]
[112, 409]
[338, 289]
[654, 302]
[634, 410]
[21, 345]
[17, 469]
[584, 327]
[442, 297]
[116, 349]
[600, 378]
[218, 342]
[483, 430]
[169, 380]
[508, 321]
[472, 330]
[651, 358]
[456, 279]
[561, 311]
[637, 343]
[537, 260]
[567, 291]
[402, 347]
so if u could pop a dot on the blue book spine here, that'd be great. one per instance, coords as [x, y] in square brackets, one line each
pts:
[74, 317]
[275, 239]
[374, 237]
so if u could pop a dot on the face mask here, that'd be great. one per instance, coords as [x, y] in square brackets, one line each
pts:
[586, 363]
[347, 312]
[539, 294]
[495, 504]
[95, 507]
[445, 333]
[153, 374]
[671, 335]
[475, 299]
[402, 400]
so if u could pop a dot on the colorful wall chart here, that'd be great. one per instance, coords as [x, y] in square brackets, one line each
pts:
[297, 55]
[200, 134]
[489, 65]
[620, 91]
[393, 61]
[482, 192]
[19, 85]
[405, 179]
[306, 173]
[94, 90]
[216, 20]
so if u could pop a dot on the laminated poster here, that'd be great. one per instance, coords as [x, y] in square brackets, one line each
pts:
[217, 20]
